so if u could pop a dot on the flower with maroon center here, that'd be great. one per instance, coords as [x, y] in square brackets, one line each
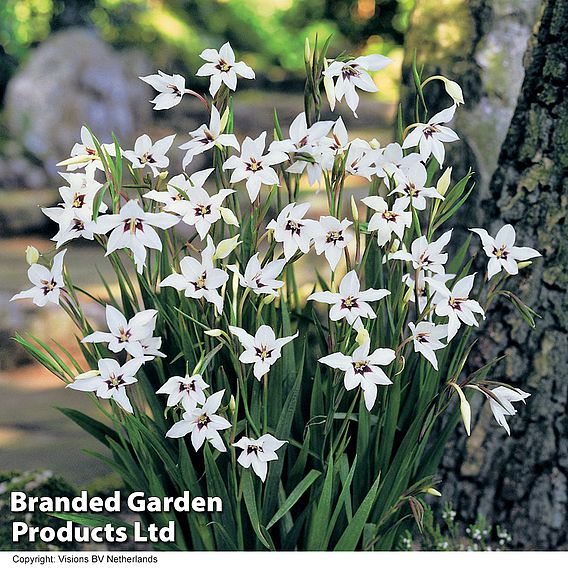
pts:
[426, 338]
[150, 154]
[261, 279]
[254, 166]
[257, 453]
[206, 137]
[199, 279]
[133, 228]
[222, 68]
[502, 252]
[411, 185]
[203, 424]
[430, 136]
[354, 74]
[455, 304]
[47, 282]
[331, 237]
[362, 369]
[85, 154]
[387, 220]
[426, 255]
[171, 89]
[292, 230]
[350, 302]
[109, 381]
[263, 349]
[125, 334]
[188, 390]
[500, 401]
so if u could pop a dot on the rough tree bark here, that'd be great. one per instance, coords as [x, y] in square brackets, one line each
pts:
[520, 482]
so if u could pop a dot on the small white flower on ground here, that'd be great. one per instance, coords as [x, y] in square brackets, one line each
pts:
[387, 220]
[206, 137]
[199, 279]
[187, 390]
[125, 334]
[350, 302]
[263, 349]
[331, 237]
[455, 303]
[425, 255]
[255, 166]
[133, 228]
[200, 210]
[354, 74]
[47, 282]
[410, 185]
[362, 369]
[292, 230]
[261, 279]
[170, 87]
[150, 154]
[222, 68]
[110, 381]
[426, 339]
[502, 251]
[430, 137]
[203, 424]
[506, 396]
[257, 453]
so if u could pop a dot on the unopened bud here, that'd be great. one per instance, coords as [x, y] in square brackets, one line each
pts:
[354, 210]
[328, 86]
[432, 491]
[88, 374]
[307, 51]
[232, 405]
[375, 144]
[454, 90]
[524, 264]
[226, 247]
[362, 336]
[214, 332]
[465, 408]
[32, 255]
[224, 120]
[444, 181]
[228, 216]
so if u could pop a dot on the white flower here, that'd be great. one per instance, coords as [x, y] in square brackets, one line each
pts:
[339, 141]
[170, 87]
[200, 210]
[425, 255]
[206, 137]
[47, 282]
[426, 339]
[150, 154]
[125, 334]
[410, 184]
[258, 453]
[203, 424]
[221, 67]
[503, 408]
[304, 140]
[354, 74]
[175, 189]
[109, 381]
[187, 390]
[501, 251]
[331, 237]
[430, 137]
[199, 279]
[85, 154]
[261, 279]
[422, 292]
[255, 166]
[132, 228]
[262, 350]
[361, 369]
[292, 230]
[392, 161]
[350, 302]
[387, 220]
[361, 161]
[455, 304]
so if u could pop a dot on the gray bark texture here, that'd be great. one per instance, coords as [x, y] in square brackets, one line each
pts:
[521, 481]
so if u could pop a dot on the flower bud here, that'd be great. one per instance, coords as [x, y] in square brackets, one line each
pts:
[228, 216]
[432, 491]
[226, 247]
[465, 408]
[88, 374]
[362, 336]
[524, 264]
[375, 144]
[269, 298]
[454, 90]
[224, 120]
[232, 405]
[444, 181]
[328, 86]
[307, 52]
[32, 255]
[354, 210]
[214, 332]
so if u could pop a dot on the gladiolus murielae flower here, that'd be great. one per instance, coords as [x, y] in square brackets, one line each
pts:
[304, 402]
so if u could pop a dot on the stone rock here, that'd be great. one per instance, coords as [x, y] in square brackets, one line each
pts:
[72, 79]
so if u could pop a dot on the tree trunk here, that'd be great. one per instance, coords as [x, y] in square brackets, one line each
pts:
[521, 482]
